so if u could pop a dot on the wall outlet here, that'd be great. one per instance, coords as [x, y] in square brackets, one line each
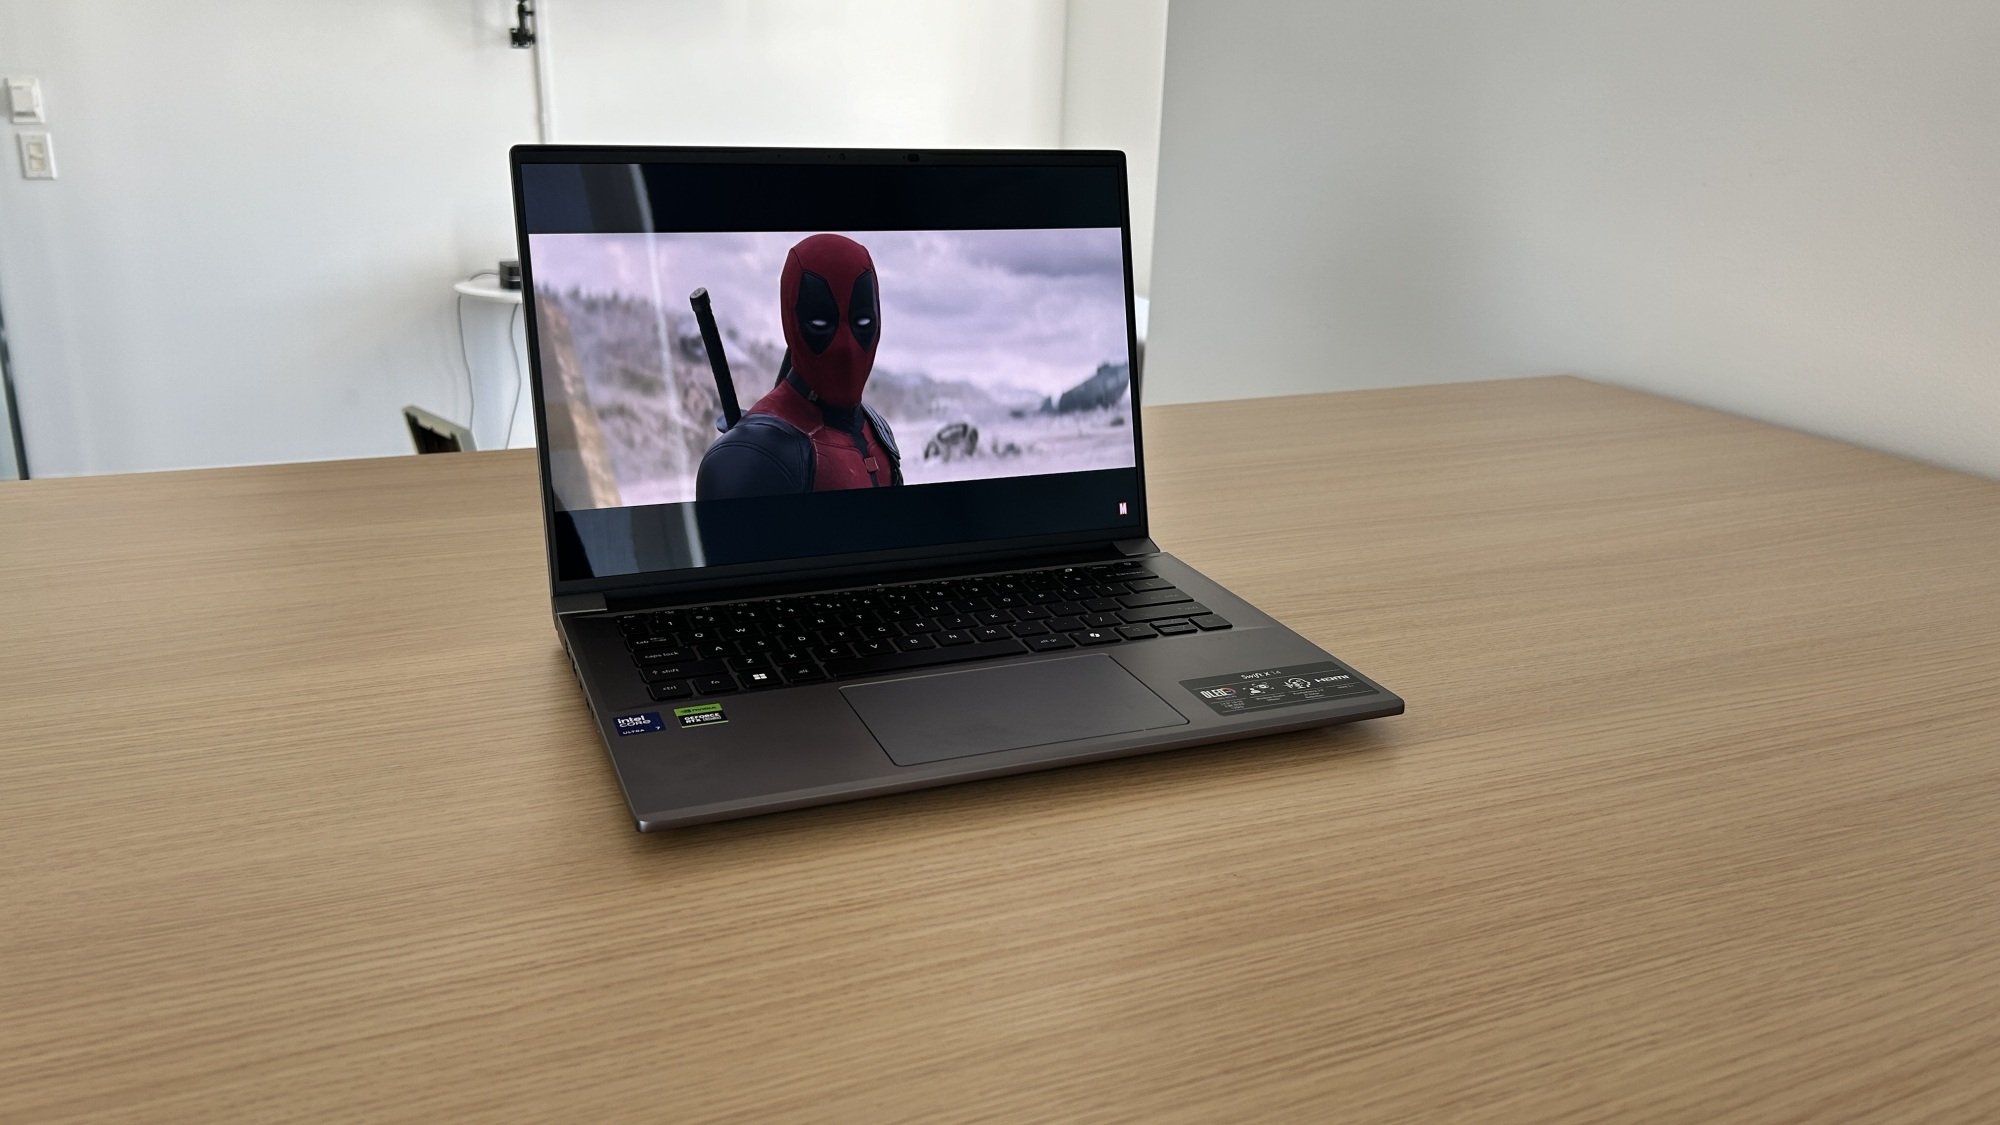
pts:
[38, 156]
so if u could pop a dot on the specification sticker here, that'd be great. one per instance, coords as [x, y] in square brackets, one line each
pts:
[701, 715]
[640, 724]
[1265, 688]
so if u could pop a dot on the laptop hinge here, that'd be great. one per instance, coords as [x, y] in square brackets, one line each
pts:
[624, 600]
[579, 603]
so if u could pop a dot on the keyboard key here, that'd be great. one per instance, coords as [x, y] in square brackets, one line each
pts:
[1049, 643]
[1136, 632]
[1031, 613]
[746, 663]
[1100, 605]
[1141, 585]
[903, 661]
[1095, 637]
[1173, 627]
[802, 673]
[1101, 620]
[1167, 596]
[993, 617]
[1158, 612]
[714, 685]
[761, 678]
[1209, 621]
[914, 644]
[1065, 624]
[683, 670]
[954, 637]
[669, 689]
[1027, 628]
[921, 625]
[990, 633]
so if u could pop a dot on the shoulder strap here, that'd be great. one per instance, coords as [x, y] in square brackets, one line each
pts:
[887, 437]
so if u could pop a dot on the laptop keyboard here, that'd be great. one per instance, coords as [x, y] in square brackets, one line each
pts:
[813, 638]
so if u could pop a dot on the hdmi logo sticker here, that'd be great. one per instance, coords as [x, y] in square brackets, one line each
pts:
[639, 724]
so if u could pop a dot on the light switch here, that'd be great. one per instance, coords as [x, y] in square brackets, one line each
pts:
[24, 101]
[38, 156]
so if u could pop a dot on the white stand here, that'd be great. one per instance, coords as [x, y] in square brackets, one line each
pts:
[496, 347]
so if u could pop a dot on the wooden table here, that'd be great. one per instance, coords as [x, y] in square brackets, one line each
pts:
[1695, 813]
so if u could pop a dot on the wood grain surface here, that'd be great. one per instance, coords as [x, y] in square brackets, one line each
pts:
[1695, 814]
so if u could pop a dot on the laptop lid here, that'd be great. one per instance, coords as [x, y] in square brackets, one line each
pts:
[754, 363]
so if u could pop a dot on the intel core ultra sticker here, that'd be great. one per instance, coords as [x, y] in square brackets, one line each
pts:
[1266, 688]
[639, 724]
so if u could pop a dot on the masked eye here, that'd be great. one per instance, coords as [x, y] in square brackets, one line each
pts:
[862, 310]
[817, 312]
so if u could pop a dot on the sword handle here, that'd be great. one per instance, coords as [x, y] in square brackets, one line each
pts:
[718, 359]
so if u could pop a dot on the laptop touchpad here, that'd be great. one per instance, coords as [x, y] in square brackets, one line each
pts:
[986, 710]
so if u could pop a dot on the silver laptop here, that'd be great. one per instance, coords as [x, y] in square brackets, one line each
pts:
[842, 471]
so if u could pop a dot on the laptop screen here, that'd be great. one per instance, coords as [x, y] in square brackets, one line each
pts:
[747, 359]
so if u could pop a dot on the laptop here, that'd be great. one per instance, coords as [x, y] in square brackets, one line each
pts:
[842, 471]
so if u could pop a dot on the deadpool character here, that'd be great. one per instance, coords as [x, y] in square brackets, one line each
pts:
[812, 432]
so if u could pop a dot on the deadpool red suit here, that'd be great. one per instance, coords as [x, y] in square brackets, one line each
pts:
[812, 432]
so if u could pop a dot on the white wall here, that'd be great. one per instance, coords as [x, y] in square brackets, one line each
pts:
[1783, 208]
[262, 208]
[889, 73]
[1114, 60]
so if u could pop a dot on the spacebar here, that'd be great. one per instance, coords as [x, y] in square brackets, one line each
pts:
[842, 668]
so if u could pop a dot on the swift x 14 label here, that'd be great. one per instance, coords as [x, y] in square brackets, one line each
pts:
[1266, 688]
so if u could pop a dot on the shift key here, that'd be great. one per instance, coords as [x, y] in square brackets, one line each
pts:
[1153, 597]
[1158, 612]
[684, 669]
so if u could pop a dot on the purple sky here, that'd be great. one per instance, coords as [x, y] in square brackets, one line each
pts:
[1039, 309]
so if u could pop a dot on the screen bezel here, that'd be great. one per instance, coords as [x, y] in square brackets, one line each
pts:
[1130, 529]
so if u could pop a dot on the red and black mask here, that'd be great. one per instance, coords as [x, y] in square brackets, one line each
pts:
[832, 315]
